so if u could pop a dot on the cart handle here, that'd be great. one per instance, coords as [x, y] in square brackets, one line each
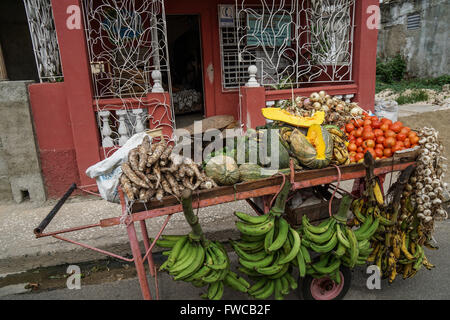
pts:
[55, 210]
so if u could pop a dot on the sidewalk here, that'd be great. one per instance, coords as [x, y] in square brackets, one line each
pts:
[20, 250]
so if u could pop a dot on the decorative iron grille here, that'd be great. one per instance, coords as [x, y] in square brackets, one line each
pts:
[296, 42]
[128, 52]
[43, 37]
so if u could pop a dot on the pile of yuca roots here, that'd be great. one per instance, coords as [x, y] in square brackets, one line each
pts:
[154, 171]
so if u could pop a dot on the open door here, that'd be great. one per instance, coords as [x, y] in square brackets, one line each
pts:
[185, 52]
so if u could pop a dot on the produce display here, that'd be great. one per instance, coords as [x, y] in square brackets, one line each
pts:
[336, 111]
[388, 231]
[153, 171]
[381, 137]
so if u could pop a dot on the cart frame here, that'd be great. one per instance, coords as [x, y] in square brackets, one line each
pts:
[266, 188]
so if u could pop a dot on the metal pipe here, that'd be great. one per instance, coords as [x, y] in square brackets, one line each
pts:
[55, 210]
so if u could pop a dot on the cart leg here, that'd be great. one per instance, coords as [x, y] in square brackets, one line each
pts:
[137, 256]
[147, 246]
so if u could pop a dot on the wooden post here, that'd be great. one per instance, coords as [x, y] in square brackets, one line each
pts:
[3, 73]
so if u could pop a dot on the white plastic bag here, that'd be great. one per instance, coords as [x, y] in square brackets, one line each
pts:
[386, 109]
[107, 172]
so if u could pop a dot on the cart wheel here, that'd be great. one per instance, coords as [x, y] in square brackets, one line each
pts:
[324, 288]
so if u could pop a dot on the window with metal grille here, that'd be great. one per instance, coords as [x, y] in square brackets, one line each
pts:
[234, 73]
[413, 21]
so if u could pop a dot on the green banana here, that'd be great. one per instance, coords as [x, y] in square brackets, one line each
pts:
[249, 256]
[324, 237]
[364, 227]
[196, 264]
[176, 250]
[369, 232]
[295, 248]
[353, 250]
[301, 263]
[234, 283]
[267, 291]
[255, 229]
[341, 236]
[258, 285]
[250, 246]
[283, 229]
[292, 282]
[305, 253]
[333, 265]
[321, 228]
[278, 289]
[213, 289]
[252, 265]
[327, 247]
[251, 219]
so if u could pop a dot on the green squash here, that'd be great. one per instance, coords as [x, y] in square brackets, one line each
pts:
[315, 150]
[223, 170]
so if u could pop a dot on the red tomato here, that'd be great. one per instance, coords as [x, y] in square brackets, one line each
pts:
[378, 132]
[381, 139]
[387, 121]
[412, 134]
[358, 132]
[396, 127]
[368, 144]
[387, 153]
[401, 137]
[405, 131]
[407, 143]
[384, 127]
[360, 150]
[352, 154]
[389, 142]
[414, 140]
[352, 159]
[359, 141]
[349, 127]
[368, 123]
[359, 156]
[379, 146]
[351, 138]
[352, 147]
[379, 153]
[389, 134]
[376, 124]
[368, 135]
[358, 123]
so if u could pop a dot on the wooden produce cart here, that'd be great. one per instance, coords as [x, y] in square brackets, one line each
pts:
[264, 189]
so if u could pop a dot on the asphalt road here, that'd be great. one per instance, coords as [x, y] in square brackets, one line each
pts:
[426, 285]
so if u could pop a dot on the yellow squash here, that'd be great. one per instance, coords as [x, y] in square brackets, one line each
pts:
[277, 114]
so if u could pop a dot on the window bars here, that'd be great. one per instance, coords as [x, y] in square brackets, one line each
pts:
[294, 42]
[128, 52]
[43, 37]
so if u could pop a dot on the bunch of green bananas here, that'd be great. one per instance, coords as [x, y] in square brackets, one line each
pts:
[397, 247]
[266, 250]
[201, 263]
[337, 244]
[340, 150]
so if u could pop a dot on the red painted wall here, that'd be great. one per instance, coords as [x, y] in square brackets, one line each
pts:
[54, 137]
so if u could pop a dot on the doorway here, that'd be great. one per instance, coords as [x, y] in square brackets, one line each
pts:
[186, 68]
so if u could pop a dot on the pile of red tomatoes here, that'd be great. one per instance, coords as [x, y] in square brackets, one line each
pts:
[381, 137]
